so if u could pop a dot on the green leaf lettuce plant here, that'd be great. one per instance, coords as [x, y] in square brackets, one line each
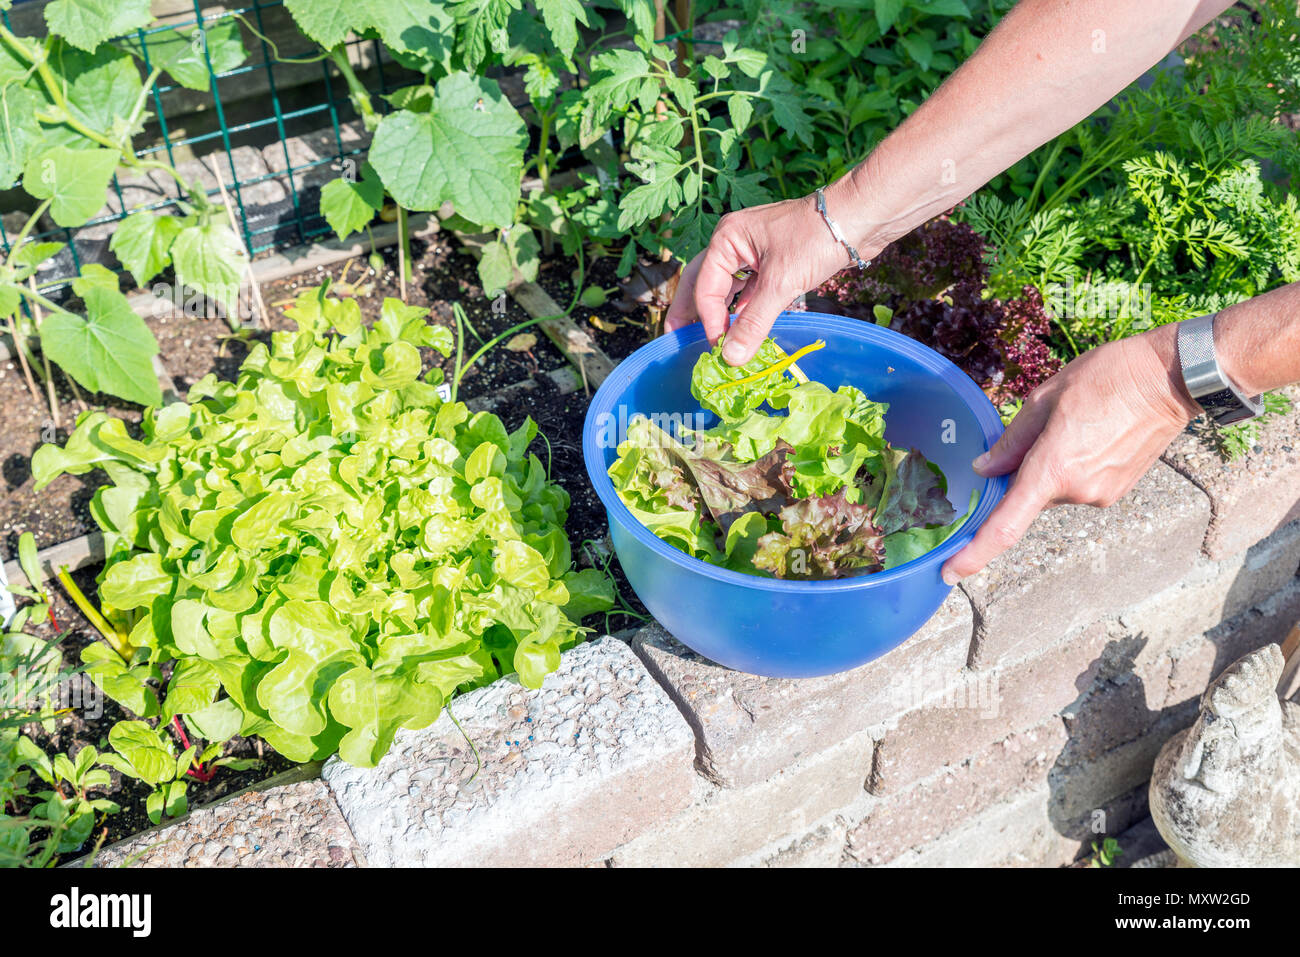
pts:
[327, 548]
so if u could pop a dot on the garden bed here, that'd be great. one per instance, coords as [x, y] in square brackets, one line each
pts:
[514, 383]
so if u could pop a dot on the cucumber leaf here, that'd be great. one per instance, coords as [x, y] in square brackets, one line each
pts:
[110, 350]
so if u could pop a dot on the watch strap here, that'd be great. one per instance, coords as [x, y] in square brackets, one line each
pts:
[1204, 377]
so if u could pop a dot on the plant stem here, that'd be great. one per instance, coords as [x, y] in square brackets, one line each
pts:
[360, 95]
[544, 172]
[26, 231]
[405, 274]
[20, 347]
[116, 640]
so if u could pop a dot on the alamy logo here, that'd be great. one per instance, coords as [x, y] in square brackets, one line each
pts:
[75, 910]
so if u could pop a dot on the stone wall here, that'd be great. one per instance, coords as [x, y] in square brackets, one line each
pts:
[1018, 726]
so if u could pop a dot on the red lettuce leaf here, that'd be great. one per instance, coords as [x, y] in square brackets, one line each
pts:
[823, 537]
[913, 495]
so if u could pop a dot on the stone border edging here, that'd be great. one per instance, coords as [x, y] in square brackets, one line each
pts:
[706, 766]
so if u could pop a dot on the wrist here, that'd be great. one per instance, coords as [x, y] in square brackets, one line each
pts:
[861, 207]
[1166, 373]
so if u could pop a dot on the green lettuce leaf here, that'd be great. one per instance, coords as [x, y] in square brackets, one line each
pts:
[324, 549]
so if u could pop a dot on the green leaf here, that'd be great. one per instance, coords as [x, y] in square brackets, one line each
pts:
[27, 560]
[788, 111]
[590, 591]
[747, 188]
[168, 800]
[111, 350]
[740, 110]
[562, 18]
[373, 707]
[329, 22]
[97, 86]
[887, 13]
[919, 48]
[483, 27]
[143, 242]
[513, 258]
[192, 687]
[219, 721]
[944, 8]
[648, 201]
[88, 23]
[145, 750]
[136, 582]
[20, 133]
[422, 28]
[467, 150]
[76, 180]
[182, 54]
[349, 206]
[209, 258]
[903, 547]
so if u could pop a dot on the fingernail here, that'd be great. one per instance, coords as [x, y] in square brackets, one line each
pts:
[981, 462]
[950, 577]
[734, 353]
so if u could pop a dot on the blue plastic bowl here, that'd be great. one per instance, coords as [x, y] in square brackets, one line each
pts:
[798, 629]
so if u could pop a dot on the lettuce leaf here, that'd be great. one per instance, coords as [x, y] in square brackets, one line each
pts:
[823, 537]
[795, 480]
[331, 542]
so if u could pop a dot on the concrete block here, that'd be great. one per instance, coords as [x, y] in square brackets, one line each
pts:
[596, 756]
[724, 825]
[1079, 564]
[749, 727]
[295, 825]
[1253, 496]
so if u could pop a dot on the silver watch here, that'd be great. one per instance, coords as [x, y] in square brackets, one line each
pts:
[1215, 392]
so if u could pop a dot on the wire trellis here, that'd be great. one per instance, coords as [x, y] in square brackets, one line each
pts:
[290, 222]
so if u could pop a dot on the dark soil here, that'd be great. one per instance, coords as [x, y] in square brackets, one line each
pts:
[619, 334]
[61, 511]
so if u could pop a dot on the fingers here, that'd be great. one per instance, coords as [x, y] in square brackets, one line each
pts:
[753, 321]
[682, 311]
[1009, 450]
[1004, 527]
[716, 283]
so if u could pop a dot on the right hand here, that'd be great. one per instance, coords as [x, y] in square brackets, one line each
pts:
[1086, 436]
[788, 249]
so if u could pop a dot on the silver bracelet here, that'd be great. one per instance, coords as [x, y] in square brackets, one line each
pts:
[835, 231]
[1207, 383]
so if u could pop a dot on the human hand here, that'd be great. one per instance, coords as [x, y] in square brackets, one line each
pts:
[1085, 437]
[788, 250]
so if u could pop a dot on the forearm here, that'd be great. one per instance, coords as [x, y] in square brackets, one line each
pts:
[1258, 341]
[1047, 66]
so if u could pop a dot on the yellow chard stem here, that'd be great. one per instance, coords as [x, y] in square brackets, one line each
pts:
[774, 369]
[117, 640]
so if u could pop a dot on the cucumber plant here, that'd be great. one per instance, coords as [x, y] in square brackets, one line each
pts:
[72, 104]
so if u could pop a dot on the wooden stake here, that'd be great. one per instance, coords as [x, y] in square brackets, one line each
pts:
[1289, 684]
[262, 317]
[402, 240]
[45, 360]
[22, 359]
